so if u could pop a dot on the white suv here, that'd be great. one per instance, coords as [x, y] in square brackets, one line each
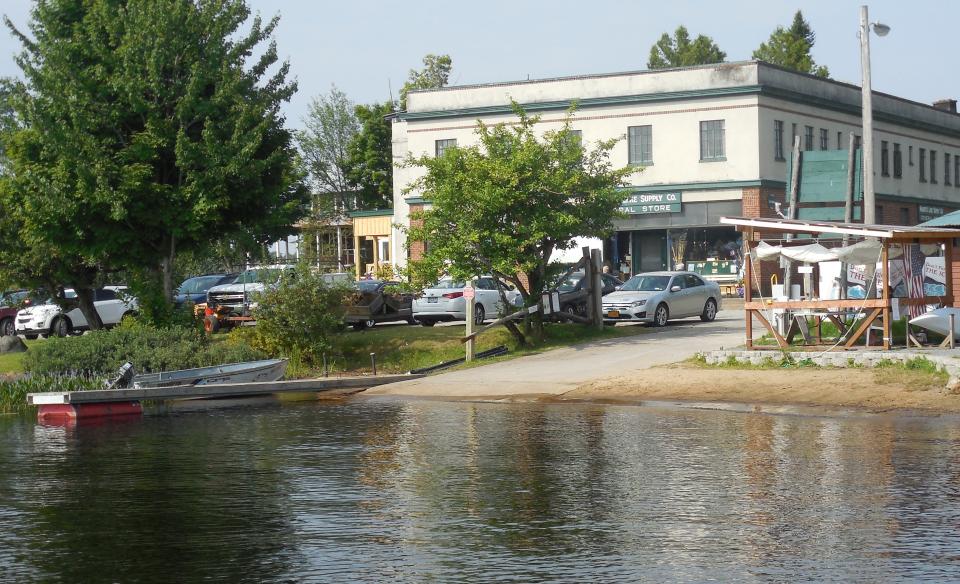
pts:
[111, 302]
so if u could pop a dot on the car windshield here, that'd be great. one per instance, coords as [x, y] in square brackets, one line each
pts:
[13, 298]
[448, 285]
[258, 276]
[199, 284]
[570, 283]
[645, 283]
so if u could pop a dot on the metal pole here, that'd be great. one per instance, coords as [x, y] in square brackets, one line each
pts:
[326, 370]
[596, 288]
[848, 210]
[869, 201]
[373, 362]
[471, 315]
[953, 339]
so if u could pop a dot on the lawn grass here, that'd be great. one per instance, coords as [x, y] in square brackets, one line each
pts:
[401, 348]
[12, 363]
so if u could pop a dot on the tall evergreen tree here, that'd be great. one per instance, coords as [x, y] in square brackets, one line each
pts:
[679, 51]
[790, 48]
[150, 129]
[370, 157]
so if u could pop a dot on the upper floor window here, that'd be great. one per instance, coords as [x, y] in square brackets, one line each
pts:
[933, 167]
[712, 140]
[884, 158]
[808, 138]
[778, 139]
[840, 141]
[923, 164]
[910, 154]
[946, 168]
[824, 139]
[897, 161]
[441, 146]
[956, 171]
[857, 142]
[640, 144]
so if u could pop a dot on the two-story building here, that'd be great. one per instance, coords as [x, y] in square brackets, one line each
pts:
[711, 140]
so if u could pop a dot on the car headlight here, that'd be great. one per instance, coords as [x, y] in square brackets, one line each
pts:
[638, 303]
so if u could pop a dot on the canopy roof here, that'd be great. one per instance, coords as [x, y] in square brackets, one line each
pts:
[948, 220]
[890, 232]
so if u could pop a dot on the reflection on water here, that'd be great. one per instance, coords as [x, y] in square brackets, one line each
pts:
[412, 491]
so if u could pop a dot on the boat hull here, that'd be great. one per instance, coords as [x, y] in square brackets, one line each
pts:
[253, 371]
[938, 321]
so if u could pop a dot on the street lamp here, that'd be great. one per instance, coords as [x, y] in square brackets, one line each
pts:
[869, 199]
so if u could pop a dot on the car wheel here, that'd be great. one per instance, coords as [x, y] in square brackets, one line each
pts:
[31, 337]
[427, 322]
[571, 309]
[709, 311]
[661, 315]
[60, 328]
[211, 324]
[357, 326]
[479, 315]
[7, 328]
[369, 323]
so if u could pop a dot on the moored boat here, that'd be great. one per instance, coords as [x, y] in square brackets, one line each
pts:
[250, 371]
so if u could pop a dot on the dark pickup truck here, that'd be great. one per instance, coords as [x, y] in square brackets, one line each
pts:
[374, 302]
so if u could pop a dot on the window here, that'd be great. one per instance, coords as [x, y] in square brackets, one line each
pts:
[576, 136]
[910, 154]
[712, 140]
[778, 139]
[793, 136]
[824, 139]
[897, 161]
[946, 168]
[640, 144]
[857, 142]
[691, 281]
[956, 171]
[933, 167]
[904, 215]
[442, 146]
[808, 138]
[923, 165]
[840, 145]
[884, 158]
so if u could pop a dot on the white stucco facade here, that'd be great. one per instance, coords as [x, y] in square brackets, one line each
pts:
[749, 99]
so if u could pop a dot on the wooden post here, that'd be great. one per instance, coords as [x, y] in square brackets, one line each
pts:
[953, 324]
[748, 284]
[948, 270]
[356, 255]
[596, 288]
[794, 195]
[885, 272]
[469, 293]
[848, 209]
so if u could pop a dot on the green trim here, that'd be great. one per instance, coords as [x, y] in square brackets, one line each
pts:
[917, 200]
[418, 201]
[708, 186]
[588, 102]
[372, 213]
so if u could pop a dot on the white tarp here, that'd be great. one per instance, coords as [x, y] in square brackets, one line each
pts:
[808, 254]
[862, 252]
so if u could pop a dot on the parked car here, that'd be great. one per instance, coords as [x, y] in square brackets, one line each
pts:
[575, 282]
[48, 318]
[445, 302]
[195, 289]
[10, 303]
[375, 302]
[658, 297]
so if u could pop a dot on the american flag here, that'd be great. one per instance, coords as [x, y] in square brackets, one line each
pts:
[913, 277]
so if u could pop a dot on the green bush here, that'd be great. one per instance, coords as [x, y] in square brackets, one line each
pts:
[299, 318]
[148, 348]
[13, 392]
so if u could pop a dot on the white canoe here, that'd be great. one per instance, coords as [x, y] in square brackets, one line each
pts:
[938, 321]
[265, 370]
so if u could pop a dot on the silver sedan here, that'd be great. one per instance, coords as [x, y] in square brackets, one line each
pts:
[658, 297]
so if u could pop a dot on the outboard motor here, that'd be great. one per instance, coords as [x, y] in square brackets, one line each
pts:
[124, 378]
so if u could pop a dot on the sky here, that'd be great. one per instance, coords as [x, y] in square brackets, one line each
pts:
[367, 47]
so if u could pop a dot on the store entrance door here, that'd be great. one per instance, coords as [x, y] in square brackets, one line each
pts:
[649, 251]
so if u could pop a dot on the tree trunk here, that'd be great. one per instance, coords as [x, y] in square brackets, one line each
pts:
[166, 271]
[85, 295]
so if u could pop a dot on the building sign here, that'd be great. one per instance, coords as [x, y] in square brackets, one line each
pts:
[927, 212]
[651, 203]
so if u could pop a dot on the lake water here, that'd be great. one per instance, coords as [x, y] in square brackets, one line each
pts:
[411, 491]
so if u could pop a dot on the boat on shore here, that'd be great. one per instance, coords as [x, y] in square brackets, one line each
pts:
[247, 372]
[938, 321]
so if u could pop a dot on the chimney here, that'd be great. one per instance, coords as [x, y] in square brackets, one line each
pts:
[946, 105]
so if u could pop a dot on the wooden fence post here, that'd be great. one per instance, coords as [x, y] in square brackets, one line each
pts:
[596, 288]
[468, 297]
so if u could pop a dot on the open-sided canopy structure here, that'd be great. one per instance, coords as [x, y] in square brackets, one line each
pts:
[755, 230]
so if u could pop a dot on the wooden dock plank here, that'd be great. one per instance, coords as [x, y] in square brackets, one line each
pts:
[213, 391]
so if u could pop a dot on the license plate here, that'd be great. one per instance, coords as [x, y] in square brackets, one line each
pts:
[613, 313]
[432, 299]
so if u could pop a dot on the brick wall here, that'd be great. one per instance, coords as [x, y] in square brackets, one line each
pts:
[416, 248]
[757, 202]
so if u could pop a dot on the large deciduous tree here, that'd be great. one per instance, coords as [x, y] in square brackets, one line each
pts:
[680, 51]
[150, 128]
[790, 48]
[435, 74]
[504, 206]
[370, 157]
[331, 125]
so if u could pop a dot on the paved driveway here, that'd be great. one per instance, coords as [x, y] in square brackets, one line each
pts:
[561, 370]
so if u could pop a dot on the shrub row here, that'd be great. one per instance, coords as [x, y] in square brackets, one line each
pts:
[150, 349]
[13, 392]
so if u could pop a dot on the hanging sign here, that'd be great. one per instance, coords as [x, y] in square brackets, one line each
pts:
[652, 203]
